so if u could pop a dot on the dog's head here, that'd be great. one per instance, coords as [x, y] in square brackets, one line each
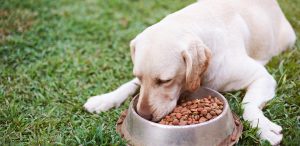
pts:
[166, 68]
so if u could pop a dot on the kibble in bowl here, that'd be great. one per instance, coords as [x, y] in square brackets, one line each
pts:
[203, 118]
[194, 111]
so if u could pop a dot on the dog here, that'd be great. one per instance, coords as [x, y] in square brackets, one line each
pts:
[220, 44]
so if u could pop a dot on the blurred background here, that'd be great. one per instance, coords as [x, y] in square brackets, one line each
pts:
[54, 54]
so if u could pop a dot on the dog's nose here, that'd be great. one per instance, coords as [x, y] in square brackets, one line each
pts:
[143, 107]
[145, 112]
[147, 116]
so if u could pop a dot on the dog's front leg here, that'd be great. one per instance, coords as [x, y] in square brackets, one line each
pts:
[261, 90]
[115, 98]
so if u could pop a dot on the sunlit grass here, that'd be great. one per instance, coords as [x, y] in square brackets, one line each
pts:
[55, 54]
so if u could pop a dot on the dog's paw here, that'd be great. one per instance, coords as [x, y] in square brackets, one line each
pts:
[271, 136]
[269, 131]
[101, 103]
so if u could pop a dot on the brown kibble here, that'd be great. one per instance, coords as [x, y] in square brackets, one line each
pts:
[204, 112]
[206, 104]
[194, 112]
[200, 105]
[189, 111]
[199, 109]
[214, 105]
[183, 123]
[184, 109]
[208, 109]
[183, 118]
[202, 119]
[177, 110]
[208, 116]
[219, 102]
[175, 122]
[213, 113]
[218, 112]
[194, 102]
[169, 119]
[178, 115]
[162, 122]
[193, 106]
[195, 122]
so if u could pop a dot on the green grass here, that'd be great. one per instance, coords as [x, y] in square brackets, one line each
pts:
[55, 54]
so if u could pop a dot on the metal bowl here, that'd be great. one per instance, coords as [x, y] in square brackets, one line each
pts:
[222, 130]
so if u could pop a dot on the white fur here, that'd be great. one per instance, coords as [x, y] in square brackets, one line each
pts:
[242, 37]
[107, 101]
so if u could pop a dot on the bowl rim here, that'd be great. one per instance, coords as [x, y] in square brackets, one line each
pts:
[225, 109]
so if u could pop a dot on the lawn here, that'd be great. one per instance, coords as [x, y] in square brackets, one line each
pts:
[54, 54]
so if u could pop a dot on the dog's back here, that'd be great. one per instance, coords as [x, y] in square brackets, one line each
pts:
[260, 23]
[270, 31]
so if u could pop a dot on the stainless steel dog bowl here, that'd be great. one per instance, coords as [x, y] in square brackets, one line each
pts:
[222, 130]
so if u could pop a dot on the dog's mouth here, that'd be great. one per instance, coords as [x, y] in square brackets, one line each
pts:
[152, 117]
[155, 119]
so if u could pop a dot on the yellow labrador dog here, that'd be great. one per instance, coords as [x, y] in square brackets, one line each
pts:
[220, 44]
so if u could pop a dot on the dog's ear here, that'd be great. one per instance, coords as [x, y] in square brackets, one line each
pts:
[132, 49]
[196, 58]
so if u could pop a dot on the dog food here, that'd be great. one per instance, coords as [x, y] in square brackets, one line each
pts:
[194, 111]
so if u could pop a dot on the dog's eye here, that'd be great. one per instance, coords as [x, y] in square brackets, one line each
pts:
[160, 81]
